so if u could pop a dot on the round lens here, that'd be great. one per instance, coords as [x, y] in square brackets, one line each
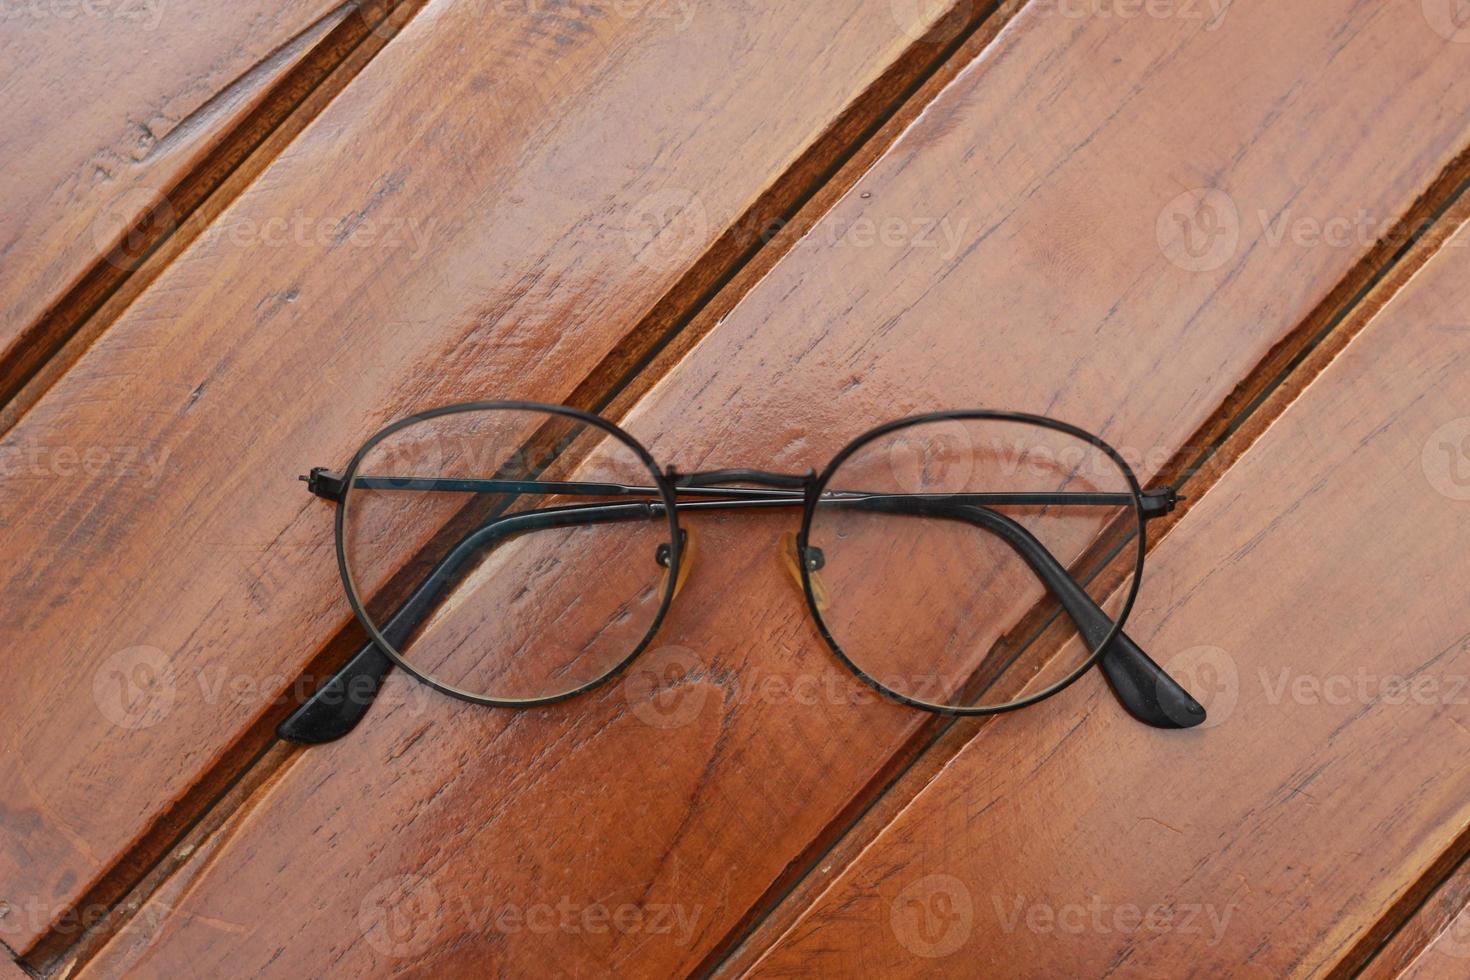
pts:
[507, 554]
[973, 562]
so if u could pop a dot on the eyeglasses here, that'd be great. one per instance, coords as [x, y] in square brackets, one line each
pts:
[515, 554]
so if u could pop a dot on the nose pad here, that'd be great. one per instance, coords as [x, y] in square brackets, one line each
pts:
[664, 557]
[814, 562]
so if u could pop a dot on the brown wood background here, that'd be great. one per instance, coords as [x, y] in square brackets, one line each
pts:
[749, 231]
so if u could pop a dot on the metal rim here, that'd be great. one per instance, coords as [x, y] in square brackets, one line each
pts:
[820, 484]
[666, 494]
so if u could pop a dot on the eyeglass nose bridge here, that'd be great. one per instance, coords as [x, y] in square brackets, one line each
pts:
[792, 551]
[761, 478]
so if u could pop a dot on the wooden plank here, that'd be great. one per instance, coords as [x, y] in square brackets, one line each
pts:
[451, 817]
[469, 217]
[112, 106]
[1448, 956]
[1308, 596]
[1435, 941]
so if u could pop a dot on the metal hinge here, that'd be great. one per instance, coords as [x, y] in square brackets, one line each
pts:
[325, 483]
[1157, 503]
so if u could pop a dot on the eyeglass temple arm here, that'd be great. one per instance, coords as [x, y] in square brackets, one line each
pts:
[1145, 689]
[342, 702]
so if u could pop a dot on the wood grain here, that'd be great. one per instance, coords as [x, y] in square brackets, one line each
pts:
[443, 826]
[481, 212]
[112, 107]
[1307, 597]
[1444, 958]
[1433, 942]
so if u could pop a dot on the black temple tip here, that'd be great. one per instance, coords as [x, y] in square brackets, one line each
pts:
[337, 707]
[1146, 690]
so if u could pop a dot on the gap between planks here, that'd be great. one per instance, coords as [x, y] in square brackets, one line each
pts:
[1264, 394]
[119, 276]
[270, 764]
[97, 303]
[1422, 928]
[91, 307]
[713, 285]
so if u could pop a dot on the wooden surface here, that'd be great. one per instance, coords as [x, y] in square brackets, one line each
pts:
[101, 130]
[1445, 957]
[1116, 220]
[1324, 719]
[1433, 942]
[833, 338]
[462, 220]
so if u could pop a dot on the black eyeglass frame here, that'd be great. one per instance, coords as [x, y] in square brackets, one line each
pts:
[1143, 687]
[662, 484]
[1099, 647]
